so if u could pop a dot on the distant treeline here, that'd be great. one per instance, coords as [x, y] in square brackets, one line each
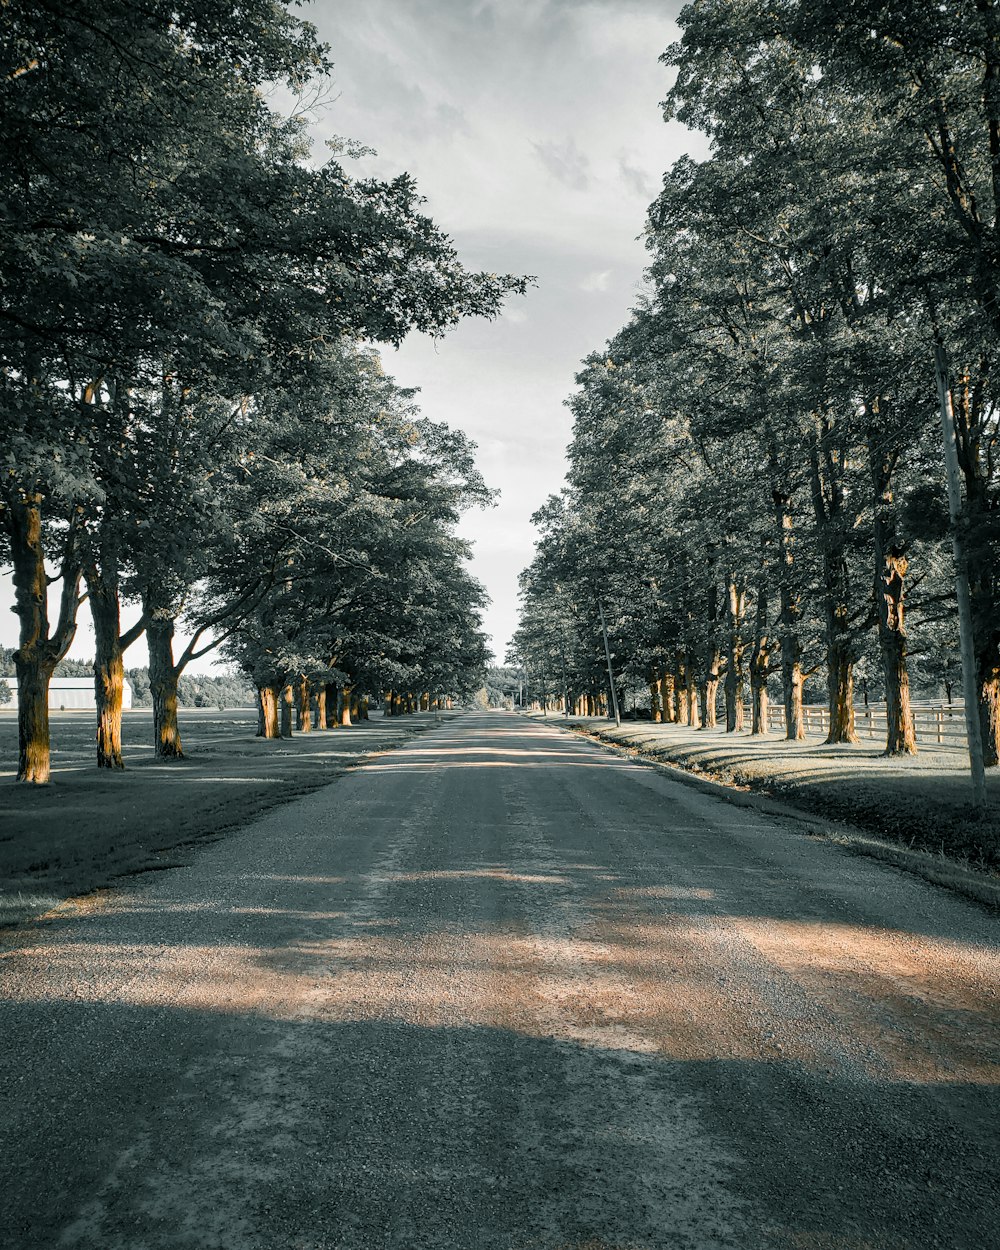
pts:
[220, 690]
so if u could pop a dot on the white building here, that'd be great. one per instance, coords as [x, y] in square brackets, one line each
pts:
[66, 693]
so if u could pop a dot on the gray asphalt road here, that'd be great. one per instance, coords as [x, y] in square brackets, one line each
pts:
[499, 989]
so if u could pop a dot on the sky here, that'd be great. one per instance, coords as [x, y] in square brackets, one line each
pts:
[534, 130]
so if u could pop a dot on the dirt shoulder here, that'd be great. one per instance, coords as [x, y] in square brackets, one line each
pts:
[915, 811]
[88, 828]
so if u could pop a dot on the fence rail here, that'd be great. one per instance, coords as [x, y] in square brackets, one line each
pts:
[939, 723]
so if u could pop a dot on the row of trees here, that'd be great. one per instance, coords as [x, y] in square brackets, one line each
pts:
[757, 483]
[189, 416]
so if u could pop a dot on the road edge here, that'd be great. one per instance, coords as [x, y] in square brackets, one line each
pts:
[979, 887]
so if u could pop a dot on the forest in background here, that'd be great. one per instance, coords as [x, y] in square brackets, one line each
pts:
[757, 496]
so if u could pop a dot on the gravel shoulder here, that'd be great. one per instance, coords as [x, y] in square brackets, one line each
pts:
[920, 803]
[502, 989]
[89, 828]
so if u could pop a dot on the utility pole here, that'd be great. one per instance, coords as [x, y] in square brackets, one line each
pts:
[973, 728]
[607, 656]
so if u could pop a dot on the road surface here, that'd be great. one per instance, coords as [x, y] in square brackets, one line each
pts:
[502, 990]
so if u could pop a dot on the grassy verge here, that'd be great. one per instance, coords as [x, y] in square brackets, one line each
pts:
[914, 813]
[88, 828]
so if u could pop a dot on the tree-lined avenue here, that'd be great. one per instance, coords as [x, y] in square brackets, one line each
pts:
[501, 989]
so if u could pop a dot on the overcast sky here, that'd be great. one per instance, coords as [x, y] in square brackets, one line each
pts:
[533, 128]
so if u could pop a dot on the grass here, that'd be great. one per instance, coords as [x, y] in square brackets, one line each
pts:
[90, 827]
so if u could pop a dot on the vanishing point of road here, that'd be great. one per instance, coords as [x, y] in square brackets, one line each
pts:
[500, 989]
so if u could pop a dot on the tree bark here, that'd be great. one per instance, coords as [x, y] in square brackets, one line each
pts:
[828, 509]
[287, 703]
[655, 710]
[713, 656]
[690, 694]
[890, 565]
[668, 696]
[900, 735]
[330, 702]
[735, 674]
[989, 710]
[321, 708]
[710, 687]
[789, 616]
[303, 706]
[344, 706]
[268, 696]
[109, 668]
[760, 663]
[163, 677]
[38, 653]
[680, 688]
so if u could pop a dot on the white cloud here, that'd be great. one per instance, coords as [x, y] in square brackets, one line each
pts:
[599, 280]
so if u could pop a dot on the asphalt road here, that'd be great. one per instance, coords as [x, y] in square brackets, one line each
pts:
[501, 989]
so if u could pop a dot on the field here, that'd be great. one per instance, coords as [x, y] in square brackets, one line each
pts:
[87, 827]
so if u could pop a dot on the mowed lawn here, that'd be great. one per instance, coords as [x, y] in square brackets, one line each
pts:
[88, 826]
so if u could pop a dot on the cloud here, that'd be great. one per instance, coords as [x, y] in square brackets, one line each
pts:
[600, 280]
[636, 178]
[566, 163]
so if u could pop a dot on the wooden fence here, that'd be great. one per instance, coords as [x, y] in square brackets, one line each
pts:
[942, 724]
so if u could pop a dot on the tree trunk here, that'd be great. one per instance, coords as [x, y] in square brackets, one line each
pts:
[900, 735]
[710, 688]
[680, 688]
[989, 712]
[37, 653]
[363, 708]
[655, 710]
[268, 696]
[33, 679]
[109, 669]
[344, 706]
[789, 616]
[690, 694]
[330, 703]
[287, 703]
[828, 509]
[735, 675]
[712, 653]
[792, 682]
[890, 565]
[321, 707]
[425, 702]
[303, 706]
[163, 677]
[840, 689]
[976, 453]
[668, 697]
[760, 663]
[355, 706]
